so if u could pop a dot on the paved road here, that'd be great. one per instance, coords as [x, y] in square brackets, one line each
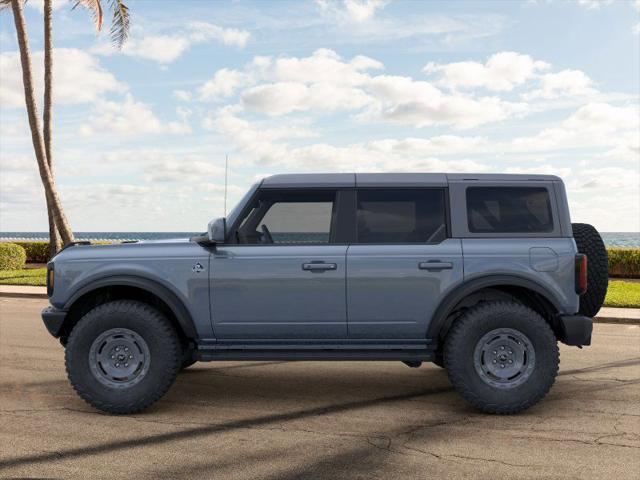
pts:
[316, 420]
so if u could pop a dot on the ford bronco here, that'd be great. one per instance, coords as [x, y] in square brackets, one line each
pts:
[480, 274]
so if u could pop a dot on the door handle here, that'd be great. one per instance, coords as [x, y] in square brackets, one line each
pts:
[319, 267]
[435, 266]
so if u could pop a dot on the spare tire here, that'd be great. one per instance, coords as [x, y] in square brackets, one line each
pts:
[589, 242]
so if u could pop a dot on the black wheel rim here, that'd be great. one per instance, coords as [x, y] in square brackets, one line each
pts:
[119, 358]
[504, 358]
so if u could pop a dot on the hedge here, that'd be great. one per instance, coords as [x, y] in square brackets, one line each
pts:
[624, 262]
[12, 256]
[37, 252]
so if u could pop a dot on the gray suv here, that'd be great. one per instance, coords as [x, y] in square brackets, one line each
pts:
[480, 274]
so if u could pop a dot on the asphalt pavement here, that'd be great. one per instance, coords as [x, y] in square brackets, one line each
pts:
[305, 420]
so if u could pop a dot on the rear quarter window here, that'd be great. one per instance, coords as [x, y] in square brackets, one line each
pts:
[509, 210]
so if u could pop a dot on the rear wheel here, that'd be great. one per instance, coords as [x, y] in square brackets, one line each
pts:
[502, 357]
[122, 356]
[590, 243]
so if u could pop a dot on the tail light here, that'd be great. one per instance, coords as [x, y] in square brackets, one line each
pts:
[50, 279]
[581, 274]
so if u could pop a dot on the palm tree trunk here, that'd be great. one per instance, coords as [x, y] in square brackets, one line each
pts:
[54, 238]
[34, 123]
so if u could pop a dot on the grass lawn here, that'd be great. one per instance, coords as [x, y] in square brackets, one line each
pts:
[27, 276]
[623, 294]
[620, 293]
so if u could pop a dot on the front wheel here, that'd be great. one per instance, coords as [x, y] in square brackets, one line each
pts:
[122, 356]
[188, 357]
[502, 357]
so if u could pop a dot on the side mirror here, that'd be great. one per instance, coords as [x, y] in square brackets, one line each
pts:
[217, 230]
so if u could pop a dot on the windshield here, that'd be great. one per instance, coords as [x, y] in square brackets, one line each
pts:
[235, 211]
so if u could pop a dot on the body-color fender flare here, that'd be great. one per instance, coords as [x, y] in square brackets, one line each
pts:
[439, 319]
[174, 303]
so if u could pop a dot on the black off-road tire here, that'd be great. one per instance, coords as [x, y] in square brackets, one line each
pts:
[438, 360]
[589, 242]
[161, 343]
[469, 331]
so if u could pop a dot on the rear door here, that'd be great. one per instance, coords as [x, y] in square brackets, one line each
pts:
[402, 262]
[282, 275]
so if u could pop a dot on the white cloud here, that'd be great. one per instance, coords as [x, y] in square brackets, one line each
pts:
[166, 48]
[438, 145]
[605, 196]
[78, 78]
[594, 4]
[566, 82]
[357, 11]
[323, 66]
[183, 95]
[502, 72]
[326, 82]
[161, 48]
[605, 128]
[203, 32]
[418, 103]
[185, 169]
[267, 146]
[39, 4]
[286, 97]
[224, 83]
[591, 126]
[128, 118]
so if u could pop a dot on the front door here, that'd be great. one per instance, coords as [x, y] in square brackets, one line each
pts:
[401, 264]
[282, 275]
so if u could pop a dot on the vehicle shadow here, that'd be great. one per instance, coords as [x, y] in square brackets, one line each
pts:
[301, 382]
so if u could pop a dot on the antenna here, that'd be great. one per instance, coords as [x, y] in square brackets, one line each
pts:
[226, 171]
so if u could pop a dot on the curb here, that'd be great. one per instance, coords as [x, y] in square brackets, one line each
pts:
[617, 320]
[22, 295]
[603, 319]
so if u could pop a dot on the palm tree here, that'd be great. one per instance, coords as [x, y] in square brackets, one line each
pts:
[119, 34]
[53, 200]
[42, 139]
[54, 236]
[119, 21]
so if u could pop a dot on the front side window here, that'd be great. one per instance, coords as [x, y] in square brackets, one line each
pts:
[509, 210]
[401, 215]
[288, 217]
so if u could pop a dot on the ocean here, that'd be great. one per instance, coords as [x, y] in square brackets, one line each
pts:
[611, 239]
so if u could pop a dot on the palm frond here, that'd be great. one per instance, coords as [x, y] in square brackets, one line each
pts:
[95, 8]
[119, 23]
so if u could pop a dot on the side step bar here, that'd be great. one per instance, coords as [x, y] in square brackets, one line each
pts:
[405, 352]
[284, 355]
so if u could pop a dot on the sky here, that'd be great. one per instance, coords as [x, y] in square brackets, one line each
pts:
[140, 135]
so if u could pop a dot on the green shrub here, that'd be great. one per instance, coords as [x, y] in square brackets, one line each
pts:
[624, 262]
[37, 252]
[12, 256]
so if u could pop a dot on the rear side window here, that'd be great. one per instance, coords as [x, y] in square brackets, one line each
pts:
[509, 210]
[401, 216]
